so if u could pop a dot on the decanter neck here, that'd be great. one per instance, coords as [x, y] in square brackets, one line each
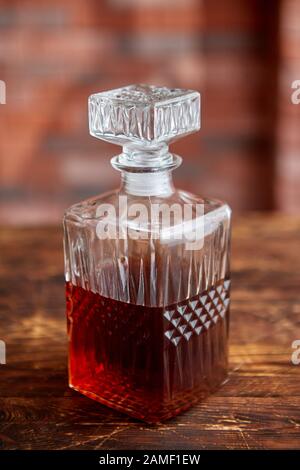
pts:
[143, 156]
[148, 183]
[146, 170]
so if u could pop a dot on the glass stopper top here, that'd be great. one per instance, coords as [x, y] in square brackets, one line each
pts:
[143, 114]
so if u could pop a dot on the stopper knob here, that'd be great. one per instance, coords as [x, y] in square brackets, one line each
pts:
[143, 114]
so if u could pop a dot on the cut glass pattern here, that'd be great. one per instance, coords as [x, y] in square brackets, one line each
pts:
[144, 114]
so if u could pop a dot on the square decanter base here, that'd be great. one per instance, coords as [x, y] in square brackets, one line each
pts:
[152, 415]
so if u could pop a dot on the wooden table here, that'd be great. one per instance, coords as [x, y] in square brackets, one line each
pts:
[258, 407]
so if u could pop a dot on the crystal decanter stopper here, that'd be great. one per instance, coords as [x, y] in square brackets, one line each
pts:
[147, 266]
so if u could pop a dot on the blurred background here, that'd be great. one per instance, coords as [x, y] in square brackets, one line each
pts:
[242, 55]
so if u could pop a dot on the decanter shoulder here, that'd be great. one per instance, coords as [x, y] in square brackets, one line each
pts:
[210, 205]
[90, 211]
[87, 209]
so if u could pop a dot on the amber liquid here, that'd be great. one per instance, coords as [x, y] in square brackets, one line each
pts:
[149, 362]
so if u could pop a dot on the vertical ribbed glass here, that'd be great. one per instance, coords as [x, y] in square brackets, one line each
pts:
[147, 306]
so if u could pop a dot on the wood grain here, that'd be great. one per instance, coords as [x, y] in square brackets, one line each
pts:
[259, 405]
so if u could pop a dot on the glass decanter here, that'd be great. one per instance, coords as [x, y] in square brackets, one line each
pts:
[147, 266]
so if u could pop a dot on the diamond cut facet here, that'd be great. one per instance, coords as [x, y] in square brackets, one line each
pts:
[215, 304]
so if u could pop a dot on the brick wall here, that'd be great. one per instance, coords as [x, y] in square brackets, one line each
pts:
[53, 54]
[288, 130]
